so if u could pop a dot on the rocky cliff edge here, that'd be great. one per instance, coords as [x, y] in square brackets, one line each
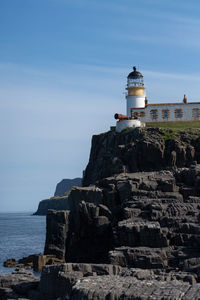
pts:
[132, 232]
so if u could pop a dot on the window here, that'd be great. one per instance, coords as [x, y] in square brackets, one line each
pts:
[134, 114]
[154, 114]
[178, 113]
[142, 114]
[196, 113]
[165, 113]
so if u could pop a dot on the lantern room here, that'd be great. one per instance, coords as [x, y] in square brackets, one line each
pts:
[135, 79]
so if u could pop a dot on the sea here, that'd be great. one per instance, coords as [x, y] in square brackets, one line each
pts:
[21, 234]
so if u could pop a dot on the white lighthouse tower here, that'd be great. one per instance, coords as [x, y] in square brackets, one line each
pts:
[135, 97]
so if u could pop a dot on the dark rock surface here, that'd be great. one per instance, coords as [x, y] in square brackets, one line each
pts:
[21, 284]
[57, 203]
[99, 281]
[65, 185]
[56, 233]
[139, 149]
[34, 261]
[60, 199]
[134, 232]
[145, 220]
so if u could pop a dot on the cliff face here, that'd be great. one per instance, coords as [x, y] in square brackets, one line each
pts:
[60, 199]
[57, 203]
[65, 186]
[133, 230]
[133, 214]
[141, 211]
[136, 150]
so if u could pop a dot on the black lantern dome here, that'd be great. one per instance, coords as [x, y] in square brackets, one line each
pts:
[135, 78]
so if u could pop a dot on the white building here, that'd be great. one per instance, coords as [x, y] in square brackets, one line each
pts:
[139, 109]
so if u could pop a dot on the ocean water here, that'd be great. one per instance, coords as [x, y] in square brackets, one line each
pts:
[21, 234]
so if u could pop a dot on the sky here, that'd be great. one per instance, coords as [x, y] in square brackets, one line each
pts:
[63, 70]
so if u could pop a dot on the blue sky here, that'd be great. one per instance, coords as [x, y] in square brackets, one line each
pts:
[63, 68]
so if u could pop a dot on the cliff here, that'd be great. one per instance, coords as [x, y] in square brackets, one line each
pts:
[132, 231]
[60, 199]
[65, 185]
[137, 216]
[140, 149]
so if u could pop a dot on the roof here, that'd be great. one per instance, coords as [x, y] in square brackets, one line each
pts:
[135, 74]
[164, 104]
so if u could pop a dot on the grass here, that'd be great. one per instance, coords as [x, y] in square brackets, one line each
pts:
[175, 125]
[169, 135]
[174, 130]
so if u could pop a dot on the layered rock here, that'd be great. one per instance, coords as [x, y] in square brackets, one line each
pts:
[99, 281]
[65, 185]
[132, 231]
[60, 199]
[56, 233]
[146, 220]
[20, 284]
[140, 149]
[56, 203]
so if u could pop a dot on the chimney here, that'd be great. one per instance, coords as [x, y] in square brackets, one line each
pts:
[146, 101]
[185, 99]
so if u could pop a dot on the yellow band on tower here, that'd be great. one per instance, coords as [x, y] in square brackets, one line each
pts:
[136, 91]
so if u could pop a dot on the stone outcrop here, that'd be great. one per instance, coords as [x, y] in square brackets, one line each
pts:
[56, 233]
[21, 284]
[34, 261]
[146, 220]
[56, 203]
[132, 231]
[65, 185]
[60, 199]
[99, 281]
[140, 149]
[143, 220]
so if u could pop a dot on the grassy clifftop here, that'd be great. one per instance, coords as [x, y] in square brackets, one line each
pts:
[142, 149]
[175, 125]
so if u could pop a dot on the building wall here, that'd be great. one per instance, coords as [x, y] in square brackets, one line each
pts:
[168, 112]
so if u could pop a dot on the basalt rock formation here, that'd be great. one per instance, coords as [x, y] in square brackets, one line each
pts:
[139, 211]
[133, 230]
[60, 199]
[65, 185]
[135, 150]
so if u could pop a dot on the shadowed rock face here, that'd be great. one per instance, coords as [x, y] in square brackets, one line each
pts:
[65, 186]
[139, 149]
[146, 220]
[141, 211]
[134, 232]
[60, 199]
[56, 203]
[56, 233]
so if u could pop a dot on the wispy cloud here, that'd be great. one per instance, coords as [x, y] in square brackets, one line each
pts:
[48, 116]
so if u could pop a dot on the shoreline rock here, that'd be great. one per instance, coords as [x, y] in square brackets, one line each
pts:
[132, 231]
[99, 281]
[35, 262]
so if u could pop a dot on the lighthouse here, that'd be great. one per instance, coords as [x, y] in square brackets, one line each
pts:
[135, 97]
[139, 112]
